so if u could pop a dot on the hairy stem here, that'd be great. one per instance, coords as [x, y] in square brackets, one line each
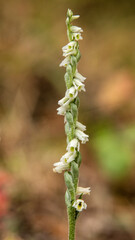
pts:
[71, 223]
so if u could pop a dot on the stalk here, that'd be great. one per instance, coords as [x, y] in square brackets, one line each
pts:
[71, 223]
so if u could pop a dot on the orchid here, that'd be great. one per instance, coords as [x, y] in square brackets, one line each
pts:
[69, 104]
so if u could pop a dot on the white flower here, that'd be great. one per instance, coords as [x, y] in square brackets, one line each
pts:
[76, 36]
[81, 190]
[64, 101]
[71, 93]
[73, 145]
[61, 110]
[80, 126]
[65, 62]
[69, 49]
[60, 166]
[74, 17]
[68, 157]
[79, 204]
[81, 136]
[79, 76]
[78, 85]
[75, 29]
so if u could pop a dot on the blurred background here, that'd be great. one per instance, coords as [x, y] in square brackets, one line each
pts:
[32, 136]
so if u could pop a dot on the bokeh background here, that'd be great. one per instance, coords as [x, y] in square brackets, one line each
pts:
[32, 34]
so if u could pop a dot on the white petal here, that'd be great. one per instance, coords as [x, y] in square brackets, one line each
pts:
[80, 126]
[63, 101]
[78, 85]
[75, 17]
[81, 136]
[79, 76]
[65, 62]
[65, 157]
[72, 157]
[69, 49]
[71, 93]
[81, 190]
[84, 205]
[79, 204]
[61, 110]
[60, 166]
[76, 29]
[73, 144]
[69, 46]
[76, 36]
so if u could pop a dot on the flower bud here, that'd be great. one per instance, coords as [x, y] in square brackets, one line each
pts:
[69, 13]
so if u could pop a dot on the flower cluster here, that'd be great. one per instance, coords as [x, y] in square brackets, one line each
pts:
[69, 104]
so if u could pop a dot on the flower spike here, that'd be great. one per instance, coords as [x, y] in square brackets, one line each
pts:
[69, 104]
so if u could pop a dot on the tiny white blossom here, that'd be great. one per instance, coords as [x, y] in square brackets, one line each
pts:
[71, 93]
[81, 136]
[61, 110]
[79, 76]
[75, 29]
[79, 204]
[74, 17]
[81, 190]
[78, 85]
[68, 157]
[65, 62]
[73, 145]
[76, 36]
[80, 126]
[64, 101]
[69, 49]
[60, 166]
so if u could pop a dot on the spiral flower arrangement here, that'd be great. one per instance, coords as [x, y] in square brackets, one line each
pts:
[69, 104]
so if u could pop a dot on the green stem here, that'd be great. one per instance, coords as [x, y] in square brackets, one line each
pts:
[71, 223]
